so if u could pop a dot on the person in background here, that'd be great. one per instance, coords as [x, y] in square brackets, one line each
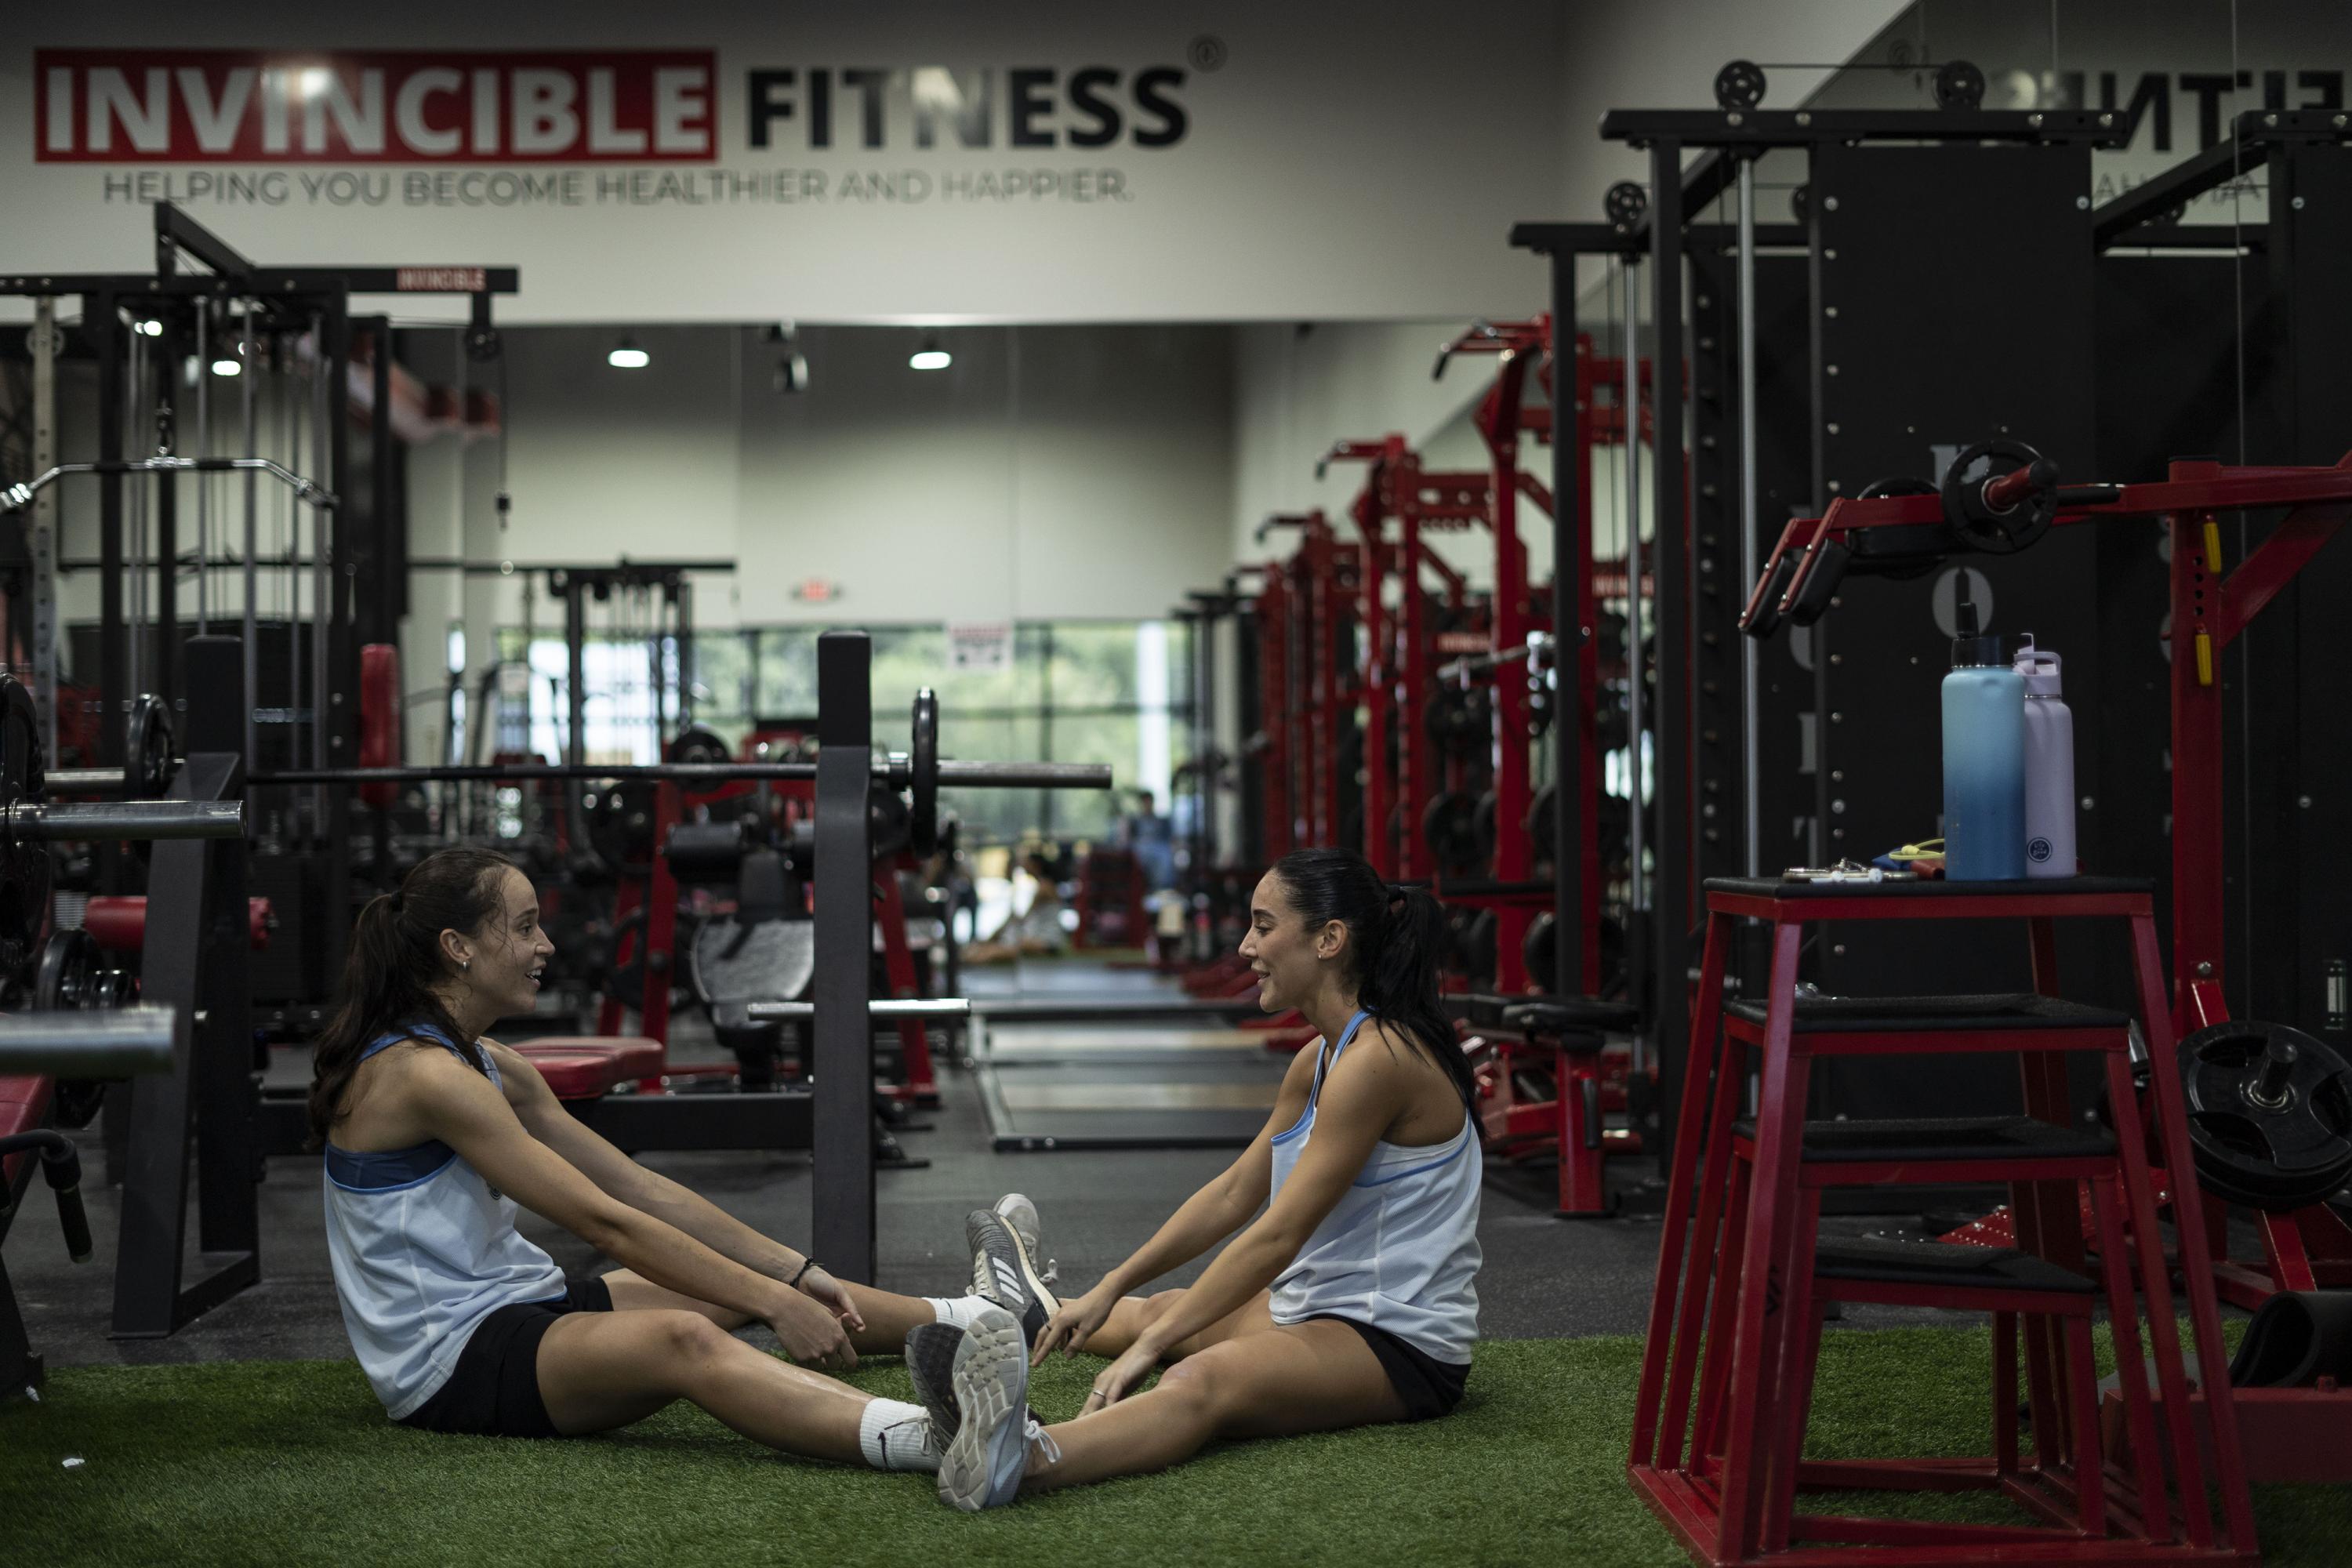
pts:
[1151, 838]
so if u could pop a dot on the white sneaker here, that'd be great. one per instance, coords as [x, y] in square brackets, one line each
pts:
[990, 1453]
[1005, 1273]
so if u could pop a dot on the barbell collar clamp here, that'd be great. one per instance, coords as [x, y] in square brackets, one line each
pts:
[113, 821]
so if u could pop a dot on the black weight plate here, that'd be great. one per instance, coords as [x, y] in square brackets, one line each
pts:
[1540, 950]
[1542, 823]
[1626, 205]
[1959, 84]
[698, 745]
[1979, 525]
[23, 868]
[68, 978]
[1739, 85]
[890, 821]
[1449, 828]
[2277, 1150]
[923, 764]
[147, 749]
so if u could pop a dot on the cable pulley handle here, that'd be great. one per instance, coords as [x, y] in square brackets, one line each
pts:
[61, 1164]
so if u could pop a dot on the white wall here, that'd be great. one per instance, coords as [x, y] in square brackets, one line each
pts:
[1049, 473]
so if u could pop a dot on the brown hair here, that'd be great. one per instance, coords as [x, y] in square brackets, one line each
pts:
[395, 961]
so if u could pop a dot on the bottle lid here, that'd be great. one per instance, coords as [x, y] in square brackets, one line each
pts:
[1970, 648]
[2040, 667]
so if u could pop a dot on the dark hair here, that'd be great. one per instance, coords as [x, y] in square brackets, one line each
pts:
[396, 960]
[1394, 934]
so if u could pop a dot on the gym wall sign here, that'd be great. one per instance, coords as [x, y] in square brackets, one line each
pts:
[549, 128]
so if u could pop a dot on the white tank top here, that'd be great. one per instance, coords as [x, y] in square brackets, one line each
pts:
[423, 1250]
[1400, 1250]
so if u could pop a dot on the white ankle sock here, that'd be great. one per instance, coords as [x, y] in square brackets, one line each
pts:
[957, 1311]
[896, 1436]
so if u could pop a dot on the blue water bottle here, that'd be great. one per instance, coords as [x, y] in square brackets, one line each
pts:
[1984, 758]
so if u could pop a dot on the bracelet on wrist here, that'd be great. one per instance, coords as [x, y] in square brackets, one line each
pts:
[806, 1263]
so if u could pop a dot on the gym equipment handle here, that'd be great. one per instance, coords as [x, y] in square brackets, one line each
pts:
[106, 1043]
[882, 1007]
[61, 1164]
[114, 820]
[2002, 494]
[17, 496]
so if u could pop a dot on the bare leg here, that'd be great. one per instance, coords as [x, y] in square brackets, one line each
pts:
[1291, 1378]
[887, 1317]
[602, 1370]
[1133, 1314]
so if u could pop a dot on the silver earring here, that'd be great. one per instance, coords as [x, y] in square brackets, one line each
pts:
[465, 964]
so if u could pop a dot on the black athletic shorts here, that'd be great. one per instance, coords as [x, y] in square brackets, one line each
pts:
[493, 1391]
[1429, 1387]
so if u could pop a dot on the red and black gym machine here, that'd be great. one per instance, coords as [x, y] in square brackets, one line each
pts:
[2267, 1109]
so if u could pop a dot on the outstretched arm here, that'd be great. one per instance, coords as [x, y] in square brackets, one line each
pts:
[1206, 1218]
[1362, 1096]
[456, 1105]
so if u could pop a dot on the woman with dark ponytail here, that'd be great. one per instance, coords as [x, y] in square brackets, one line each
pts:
[434, 1135]
[1350, 1299]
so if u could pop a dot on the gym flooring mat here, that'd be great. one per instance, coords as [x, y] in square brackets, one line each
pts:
[1129, 1096]
[294, 1463]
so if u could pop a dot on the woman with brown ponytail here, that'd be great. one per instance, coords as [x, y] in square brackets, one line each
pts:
[1349, 1301]
[434, 1135]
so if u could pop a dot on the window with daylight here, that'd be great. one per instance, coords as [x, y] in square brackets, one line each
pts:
[1067, 691]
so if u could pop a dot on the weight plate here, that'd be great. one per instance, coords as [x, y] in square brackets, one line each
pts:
[923, 764]
[2269, 1113]
[1978, 524]
[1449, 827]
[1959, 84]
[889, 821]
[23, 868]
[1540, 951]
[1739, 85]
[698, 745]
[147, 749]
[68, 973]
[736, 964]
[1542, 825]
[1626, 205]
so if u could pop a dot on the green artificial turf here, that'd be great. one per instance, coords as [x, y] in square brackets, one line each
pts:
[293, 1462]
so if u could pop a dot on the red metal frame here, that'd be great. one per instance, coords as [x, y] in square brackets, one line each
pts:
[2210, 607]
[1729, 1498]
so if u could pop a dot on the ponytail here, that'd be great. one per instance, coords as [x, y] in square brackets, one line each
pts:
[1396, 931]
[395, 962]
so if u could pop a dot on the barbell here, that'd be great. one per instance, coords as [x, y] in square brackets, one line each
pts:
[922, 771]
[28, 824]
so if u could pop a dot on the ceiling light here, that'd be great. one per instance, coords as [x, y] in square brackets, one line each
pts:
[313, 81]
[628, 356]
[227, 367]
[931, 356]
[151, 329]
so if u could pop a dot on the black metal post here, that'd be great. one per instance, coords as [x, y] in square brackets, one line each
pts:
[1570, 558]
[157, 431]
[193, 962]
[383, 623]
[1668, 1004]
[335, 710]
[842, 1235]
[102, 324]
